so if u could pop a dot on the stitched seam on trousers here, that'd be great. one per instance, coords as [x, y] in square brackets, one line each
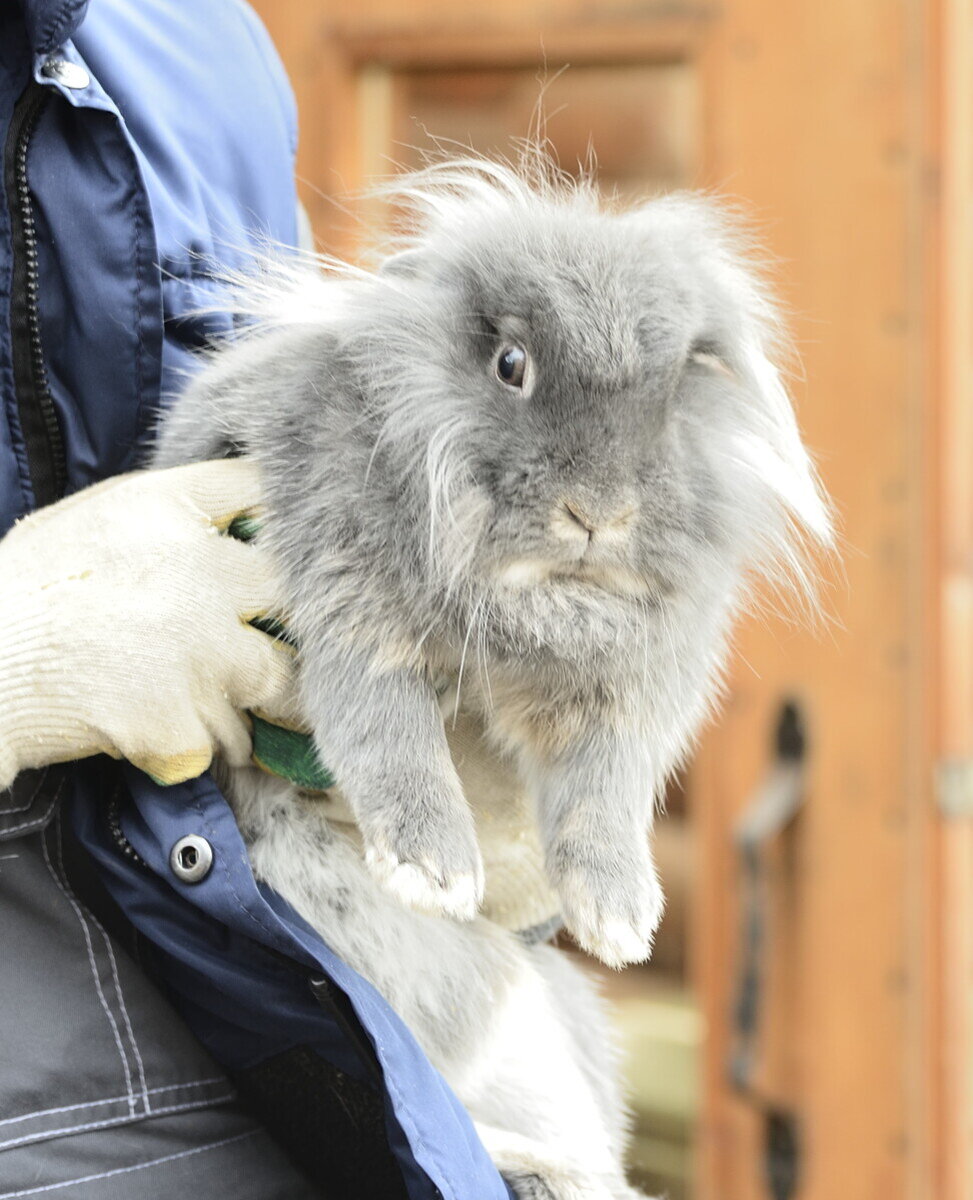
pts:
[69, 896]
[53, 1112]
[34, 822]
[175, 1087]
[157, 1112]
[155, 1162]
[114, 971]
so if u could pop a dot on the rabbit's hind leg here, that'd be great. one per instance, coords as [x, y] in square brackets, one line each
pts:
[529, 1187]
[542, 1087]
[547, 1096]
[536, 1172]
[585, 1017]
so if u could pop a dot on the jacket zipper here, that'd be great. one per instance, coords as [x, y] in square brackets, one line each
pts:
[35, 405]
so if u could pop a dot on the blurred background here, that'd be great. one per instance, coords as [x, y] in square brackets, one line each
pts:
[804, 1029]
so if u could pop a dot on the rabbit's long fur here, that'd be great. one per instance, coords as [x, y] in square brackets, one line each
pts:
[561, 555]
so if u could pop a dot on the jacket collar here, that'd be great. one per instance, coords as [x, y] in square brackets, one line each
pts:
[50, 23]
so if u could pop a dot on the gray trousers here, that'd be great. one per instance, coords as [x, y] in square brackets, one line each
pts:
[104, 1093]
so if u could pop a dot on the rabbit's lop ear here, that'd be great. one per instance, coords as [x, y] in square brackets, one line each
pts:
[407, 264]
[771, 443]
[711, 250]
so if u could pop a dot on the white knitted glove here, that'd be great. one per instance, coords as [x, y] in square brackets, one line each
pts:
[123, 625]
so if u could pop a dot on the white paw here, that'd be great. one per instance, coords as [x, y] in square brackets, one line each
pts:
[423, 888]
[615, 924]
[617, 943]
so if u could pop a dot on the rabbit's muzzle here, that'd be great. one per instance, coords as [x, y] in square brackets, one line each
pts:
[585, 542]
[574, 521]
[592, 534]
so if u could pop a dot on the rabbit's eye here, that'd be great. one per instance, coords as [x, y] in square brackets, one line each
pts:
[511, 366]
[707, 355]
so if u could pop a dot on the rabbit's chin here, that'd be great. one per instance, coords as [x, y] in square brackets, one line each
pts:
[617, 579]
[578, 616]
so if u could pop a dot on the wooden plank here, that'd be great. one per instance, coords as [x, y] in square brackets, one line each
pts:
[329, 168]
[948, 202]
[337, 62]
[521, 42]
[811, 127]
[642, 118]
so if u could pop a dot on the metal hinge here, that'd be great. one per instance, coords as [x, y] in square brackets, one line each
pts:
[954, 787]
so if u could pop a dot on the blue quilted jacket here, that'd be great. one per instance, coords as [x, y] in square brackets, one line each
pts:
[145, 142]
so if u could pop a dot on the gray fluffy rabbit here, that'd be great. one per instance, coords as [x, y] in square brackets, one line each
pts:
[532, 465]
[538, 453]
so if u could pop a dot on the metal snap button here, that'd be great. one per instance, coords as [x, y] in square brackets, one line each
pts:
[71, 75]
[191, 858]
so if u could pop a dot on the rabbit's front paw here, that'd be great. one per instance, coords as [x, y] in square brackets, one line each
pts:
[612, 903]
[424, 851]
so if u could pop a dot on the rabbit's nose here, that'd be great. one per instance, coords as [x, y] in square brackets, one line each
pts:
[572, 519]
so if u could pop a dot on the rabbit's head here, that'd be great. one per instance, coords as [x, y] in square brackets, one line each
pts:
[578, 398]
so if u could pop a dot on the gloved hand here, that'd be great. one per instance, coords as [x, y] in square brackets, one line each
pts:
[123, 625]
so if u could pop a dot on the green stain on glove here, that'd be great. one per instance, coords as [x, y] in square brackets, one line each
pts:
[244, 528]
[288, 753]
[273, 628]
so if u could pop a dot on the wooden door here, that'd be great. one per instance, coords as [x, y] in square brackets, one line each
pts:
[845, 129]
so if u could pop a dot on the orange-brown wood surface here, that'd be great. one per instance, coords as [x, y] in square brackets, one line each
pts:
[845, 126]
[948, 131]
[811, 122]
